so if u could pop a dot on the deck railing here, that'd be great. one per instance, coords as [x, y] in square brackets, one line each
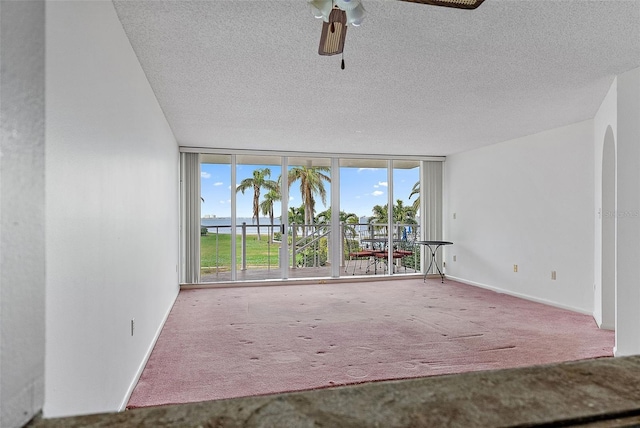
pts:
[309, 244]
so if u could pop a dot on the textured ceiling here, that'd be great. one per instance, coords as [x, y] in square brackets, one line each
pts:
[419, 80]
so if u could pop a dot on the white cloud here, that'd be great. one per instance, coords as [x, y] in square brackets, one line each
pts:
[223, 202]
[377, 193]
[205, 174]
[218, 183]
[366, 169]
[383, 184]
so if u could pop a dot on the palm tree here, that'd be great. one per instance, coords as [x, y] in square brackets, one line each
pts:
[415, 191]
[257, 182]
[380, 216]
[266, 206]
[296, 215]
[311, 183]
[324, 218]
[401, 214]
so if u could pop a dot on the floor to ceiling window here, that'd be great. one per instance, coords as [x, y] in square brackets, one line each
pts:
[364, 191]
[309, 230]
[215, 231]
[257, 223]
[406, 215]
[257, 216]
[377, 242]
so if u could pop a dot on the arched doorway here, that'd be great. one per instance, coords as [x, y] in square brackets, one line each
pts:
[609, 217]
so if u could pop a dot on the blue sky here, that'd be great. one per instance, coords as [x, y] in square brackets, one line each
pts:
[360, 188]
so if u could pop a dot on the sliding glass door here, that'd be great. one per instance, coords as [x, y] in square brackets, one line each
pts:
[309, 229]
[240, 218]
[269, 217]
[216, 259]
[364, 191]
[257, 217]
[377, 239]
[243, 234]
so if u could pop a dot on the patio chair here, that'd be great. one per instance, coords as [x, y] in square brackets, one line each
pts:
[383, 256]
[355, 253]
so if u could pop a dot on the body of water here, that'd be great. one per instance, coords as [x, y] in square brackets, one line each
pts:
[223, 225]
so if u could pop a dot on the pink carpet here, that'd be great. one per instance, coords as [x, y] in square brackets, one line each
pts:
[223, 343]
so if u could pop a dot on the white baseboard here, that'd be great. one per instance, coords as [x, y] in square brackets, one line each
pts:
[520, 295]
[143, 364]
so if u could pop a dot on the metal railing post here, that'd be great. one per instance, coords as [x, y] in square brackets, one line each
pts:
[270, 228]
[217, 252]
[293, 245]
[244, 245]
[343, 237]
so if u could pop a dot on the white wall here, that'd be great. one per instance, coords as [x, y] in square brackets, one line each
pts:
[628, 219]
[111, 211]
[22, 218]
[528, 202]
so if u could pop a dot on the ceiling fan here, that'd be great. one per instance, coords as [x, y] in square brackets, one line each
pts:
[338, 14]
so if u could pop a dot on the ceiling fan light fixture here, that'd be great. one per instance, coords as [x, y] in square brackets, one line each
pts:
[321, 8]
[355, 16]
[346, 4]
[338, 14]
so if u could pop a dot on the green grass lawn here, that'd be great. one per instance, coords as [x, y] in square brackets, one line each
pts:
[215, 253]
[259, 253]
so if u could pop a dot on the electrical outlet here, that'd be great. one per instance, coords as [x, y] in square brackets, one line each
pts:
[515, 268]
[455, 258]
[454, 216]
[553, 274]
[133, 325]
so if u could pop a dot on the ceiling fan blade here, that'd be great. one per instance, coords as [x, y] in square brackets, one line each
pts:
[460, 4]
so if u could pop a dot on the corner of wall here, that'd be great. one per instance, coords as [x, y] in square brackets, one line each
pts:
[22, 218]
[605, 117]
